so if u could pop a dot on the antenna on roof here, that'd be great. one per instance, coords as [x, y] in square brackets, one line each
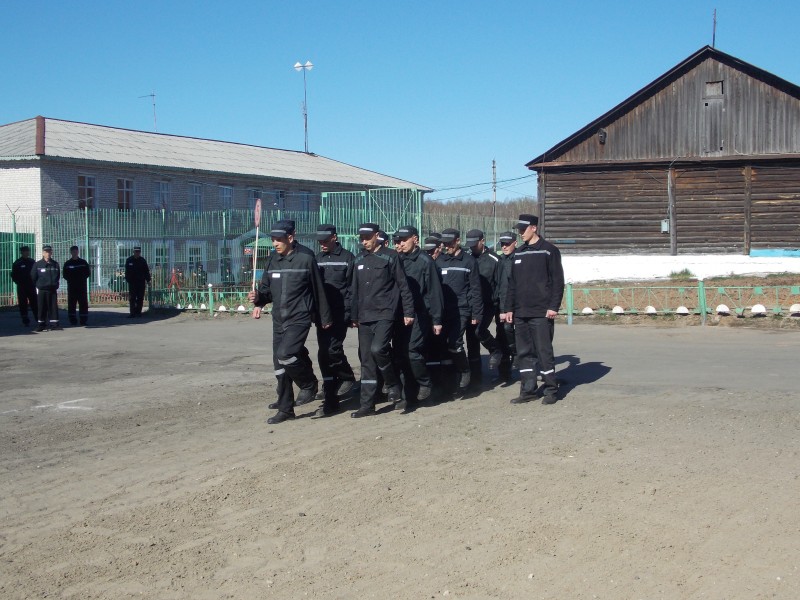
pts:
[153, 96]
[714, 31]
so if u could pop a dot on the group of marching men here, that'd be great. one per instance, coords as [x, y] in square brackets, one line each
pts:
[413, 307]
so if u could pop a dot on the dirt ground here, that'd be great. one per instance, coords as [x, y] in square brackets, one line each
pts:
[135, 461]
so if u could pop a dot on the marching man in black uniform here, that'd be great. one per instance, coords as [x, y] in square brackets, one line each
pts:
[293, 284]
[76, 273]
[463, 304]
[479, 334]
[137, 274]
[380, 293]
[535, 290]
[426, 289]
[505, 331]
[26, 291]
[336, 267]
[46, 276]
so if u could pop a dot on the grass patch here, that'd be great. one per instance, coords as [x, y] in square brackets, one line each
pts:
[682, 274]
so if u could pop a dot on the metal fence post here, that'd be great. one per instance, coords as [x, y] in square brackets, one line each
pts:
[701, 300]
[570, 304]
[210, 300]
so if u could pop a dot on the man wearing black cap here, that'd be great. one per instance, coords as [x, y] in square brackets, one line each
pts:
[137, 274]
[426, 289]
[336, 267]
[293, 284]
[463, 304]
[535, 290]
[505, 331]
[297, 246]
[26, 291]
[76, 273]
[380, 293]
[46, 277]
[480, 334]
[433, 245]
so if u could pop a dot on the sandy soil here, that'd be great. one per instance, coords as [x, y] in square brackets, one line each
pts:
[135, 461]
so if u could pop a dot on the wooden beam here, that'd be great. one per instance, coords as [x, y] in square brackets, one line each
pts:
[672, 212]
[748, 207]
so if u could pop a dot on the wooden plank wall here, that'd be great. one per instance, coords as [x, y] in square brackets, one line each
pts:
[620, 211]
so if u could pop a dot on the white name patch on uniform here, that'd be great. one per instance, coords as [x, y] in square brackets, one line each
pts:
[360, 267]
[276, 275]
[444, 271]
[519, 260]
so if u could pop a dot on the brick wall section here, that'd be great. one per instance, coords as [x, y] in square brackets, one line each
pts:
[60, 187]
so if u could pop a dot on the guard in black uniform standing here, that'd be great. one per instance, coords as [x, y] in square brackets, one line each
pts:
[412, 342]
[137, 274]
[76, 273]
[535, 290]
[505, 331]
[26, 291]
[46, 277]
[463, 304]
[293, 284]
[336, 267]
[479, 334]
[380, 295]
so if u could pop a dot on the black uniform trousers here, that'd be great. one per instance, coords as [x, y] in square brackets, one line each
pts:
[455, 325]
[410, 355]
[478, 335]
[289, 357]
[26, 297]
[77, 296]
[534, 338]
[374, 348]
[47, 303]
[507, 343]
[136, 297]
[333, 363]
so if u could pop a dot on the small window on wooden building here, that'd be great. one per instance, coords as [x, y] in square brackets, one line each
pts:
[714, 89]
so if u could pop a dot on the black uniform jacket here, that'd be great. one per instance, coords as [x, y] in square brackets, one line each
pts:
[336, 268]
[488, 263]
[424, 284]
[503, 276]
[46, 275]
[76, 272]
[137, 270]
[380, 289]
[21, 272]
[294, 286]
[537, 280]
[461, 284]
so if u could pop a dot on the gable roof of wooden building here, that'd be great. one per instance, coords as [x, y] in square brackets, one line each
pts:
[712, 106]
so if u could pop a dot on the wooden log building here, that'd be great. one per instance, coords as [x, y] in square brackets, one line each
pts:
[705, 159]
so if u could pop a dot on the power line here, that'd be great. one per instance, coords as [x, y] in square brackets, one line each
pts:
[489, 183]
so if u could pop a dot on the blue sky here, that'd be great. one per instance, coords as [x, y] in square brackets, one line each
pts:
[428, 91]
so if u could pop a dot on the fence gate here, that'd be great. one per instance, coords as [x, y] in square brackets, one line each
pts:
[390, 208]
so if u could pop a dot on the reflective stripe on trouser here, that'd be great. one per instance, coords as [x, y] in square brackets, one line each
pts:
[374, 346]
[288, 347]
[534, 338]
[47, 306]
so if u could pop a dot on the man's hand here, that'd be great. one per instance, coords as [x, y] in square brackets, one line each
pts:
[252, 295]
[474, 321]
[408, 320]
[354, 324]
[551, 314]
[509, 317]
[257, 312]
[327, 325]
[437, 329]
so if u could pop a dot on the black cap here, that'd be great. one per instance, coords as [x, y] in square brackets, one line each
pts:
[325, 232]
[24, 248]
[449, 235]
[368, 229]
[290, 223]
[282, 229]
[473, 237]
[135, 248]
[382, 237]
[431, 243]
[405, 232]
[436, 234]
[525, 220]
[47, 248]
[71, 248]
[507, 237]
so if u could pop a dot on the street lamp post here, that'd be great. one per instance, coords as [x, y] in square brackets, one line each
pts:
[304, 67]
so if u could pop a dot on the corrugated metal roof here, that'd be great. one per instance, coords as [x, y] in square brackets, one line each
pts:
[83, 141]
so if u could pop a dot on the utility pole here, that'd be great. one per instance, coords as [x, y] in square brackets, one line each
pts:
[304, 67]
[714, 31]
[494, 200]
[152, 95]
